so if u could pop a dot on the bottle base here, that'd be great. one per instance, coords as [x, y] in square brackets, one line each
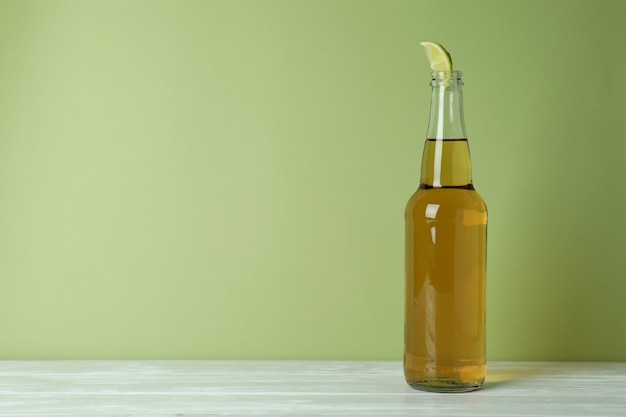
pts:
[447, 386]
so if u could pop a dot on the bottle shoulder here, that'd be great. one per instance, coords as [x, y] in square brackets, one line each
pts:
[436, 202]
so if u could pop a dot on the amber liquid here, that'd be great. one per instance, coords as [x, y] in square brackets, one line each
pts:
[446, 238]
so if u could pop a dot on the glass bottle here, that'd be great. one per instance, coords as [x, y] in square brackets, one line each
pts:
[445, 260]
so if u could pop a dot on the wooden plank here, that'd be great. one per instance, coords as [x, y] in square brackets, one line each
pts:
[300, 388]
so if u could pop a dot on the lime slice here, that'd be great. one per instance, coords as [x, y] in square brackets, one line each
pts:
[440, 59]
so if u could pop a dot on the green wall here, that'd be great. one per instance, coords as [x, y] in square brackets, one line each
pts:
[227, 179]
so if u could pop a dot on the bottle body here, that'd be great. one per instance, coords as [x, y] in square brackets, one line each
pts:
[445, 271]
[446, 244]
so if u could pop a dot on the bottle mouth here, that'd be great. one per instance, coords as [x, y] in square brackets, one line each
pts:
[446, 78]
[437, 75]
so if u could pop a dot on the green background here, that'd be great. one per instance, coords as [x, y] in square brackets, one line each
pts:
[227, 179]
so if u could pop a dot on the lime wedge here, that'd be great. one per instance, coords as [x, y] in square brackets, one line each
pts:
[440, 59]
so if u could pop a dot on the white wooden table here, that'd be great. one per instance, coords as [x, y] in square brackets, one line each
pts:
[300, 388]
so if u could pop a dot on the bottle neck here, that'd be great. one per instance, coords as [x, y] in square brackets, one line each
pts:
[446, 158]
[446, 107]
